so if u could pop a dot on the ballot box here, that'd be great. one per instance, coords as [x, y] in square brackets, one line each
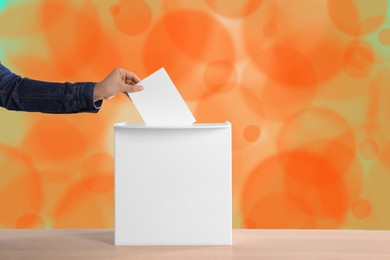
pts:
[173, 185]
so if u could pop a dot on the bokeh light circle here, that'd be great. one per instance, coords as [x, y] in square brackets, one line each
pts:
[54, 140]
[220, 76]
[97, 173]
[371, 207]
[361, 208]
[322, 164]
[184, 42]
[357, 17]
[20, 181]
[234, 9]
[71, 33]
[251, 133]
[318, 124]
[311, 185]
[269, 29]
[115, 9]
[246, 111]
[278, 44]
[211, 35]
[248, 223]
[30, 220]
[319, 182]
[282, 210]
[369, 149]
[359, 59]
[132, 17]
[77, 205]
[278, 101]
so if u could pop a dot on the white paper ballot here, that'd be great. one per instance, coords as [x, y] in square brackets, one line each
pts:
[160, 103]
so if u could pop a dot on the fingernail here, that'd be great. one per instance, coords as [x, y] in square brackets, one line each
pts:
[140, 88]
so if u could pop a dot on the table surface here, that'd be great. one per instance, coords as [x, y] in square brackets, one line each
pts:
[247, 244]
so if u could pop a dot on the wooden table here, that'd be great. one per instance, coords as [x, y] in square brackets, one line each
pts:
[56, 244]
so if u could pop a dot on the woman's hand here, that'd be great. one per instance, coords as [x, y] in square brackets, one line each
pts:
[118, 81]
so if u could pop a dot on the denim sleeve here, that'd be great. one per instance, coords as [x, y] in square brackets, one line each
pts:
[24, 94]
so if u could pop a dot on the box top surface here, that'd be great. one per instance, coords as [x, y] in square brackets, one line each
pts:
[192, 126]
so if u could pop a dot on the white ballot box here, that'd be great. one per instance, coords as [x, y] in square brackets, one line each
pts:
[173, 184]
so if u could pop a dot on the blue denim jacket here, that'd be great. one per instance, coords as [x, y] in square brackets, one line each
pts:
[24, 94]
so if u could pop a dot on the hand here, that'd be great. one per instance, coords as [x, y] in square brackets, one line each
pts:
[119, 80]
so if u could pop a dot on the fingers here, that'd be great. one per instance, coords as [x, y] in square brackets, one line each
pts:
[131, 88]
[129, 81]
[130, 76]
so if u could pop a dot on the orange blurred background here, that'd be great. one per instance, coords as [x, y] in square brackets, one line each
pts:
[303, 82]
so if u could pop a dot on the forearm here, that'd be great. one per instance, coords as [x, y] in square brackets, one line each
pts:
[23, 94]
